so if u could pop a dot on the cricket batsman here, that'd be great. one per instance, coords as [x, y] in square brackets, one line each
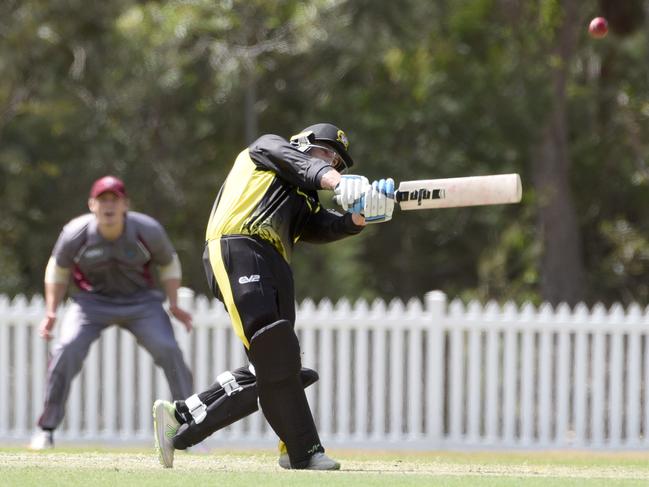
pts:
[267, 204]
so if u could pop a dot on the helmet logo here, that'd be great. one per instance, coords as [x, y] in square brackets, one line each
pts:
[342, 138]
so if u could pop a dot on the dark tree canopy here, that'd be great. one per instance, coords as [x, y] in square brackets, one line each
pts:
[165, 93]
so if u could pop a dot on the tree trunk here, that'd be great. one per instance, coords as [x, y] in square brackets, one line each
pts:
[562, 269]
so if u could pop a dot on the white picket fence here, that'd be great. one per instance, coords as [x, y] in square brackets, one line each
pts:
[426, 375]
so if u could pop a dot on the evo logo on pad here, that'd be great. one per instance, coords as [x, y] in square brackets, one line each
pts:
[249, 279]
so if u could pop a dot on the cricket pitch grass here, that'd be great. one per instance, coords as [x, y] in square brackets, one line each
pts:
[100, 466]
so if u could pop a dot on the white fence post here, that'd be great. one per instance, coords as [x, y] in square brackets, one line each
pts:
[5, 405]
[563, 376]
[145, 394]
[455, 385]
[396, 389]
[379, 386]
[616, 378]
[436, 319]
[492, 379]
[109, 381]
[343, 368]
[510, 368]
[93, 383]
[127, 385]
[633, 378]
[473, 359]
[309, 350]
[526, 436]
[362, 376]
[545, 407]
[38, 370]
[326, 368]
[598, 380]
[646, 380]
[581, 378]
[415, 372]
[20, 367]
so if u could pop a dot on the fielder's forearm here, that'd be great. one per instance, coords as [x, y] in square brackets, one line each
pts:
[170, 276]
[56, 284]
[171, 290]
[54, 293]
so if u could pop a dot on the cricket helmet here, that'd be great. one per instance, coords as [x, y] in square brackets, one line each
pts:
[324, 132]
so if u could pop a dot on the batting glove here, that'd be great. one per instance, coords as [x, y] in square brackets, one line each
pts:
[378, 201]
[349, 192]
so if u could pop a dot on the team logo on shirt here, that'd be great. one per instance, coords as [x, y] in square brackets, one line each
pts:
[249, 279]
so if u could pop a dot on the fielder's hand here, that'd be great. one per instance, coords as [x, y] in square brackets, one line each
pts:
[183, 316]
[349, 191]
[46, 327]
[378, 201]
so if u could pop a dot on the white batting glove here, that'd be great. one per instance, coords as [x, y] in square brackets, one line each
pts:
[378, 203]
[349, 191]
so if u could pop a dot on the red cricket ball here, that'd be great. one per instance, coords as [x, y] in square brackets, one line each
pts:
[598, 27]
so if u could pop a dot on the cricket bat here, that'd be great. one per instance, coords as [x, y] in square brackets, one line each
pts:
[426, 194]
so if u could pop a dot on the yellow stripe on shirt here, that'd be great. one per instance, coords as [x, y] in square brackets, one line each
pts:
[245, 187]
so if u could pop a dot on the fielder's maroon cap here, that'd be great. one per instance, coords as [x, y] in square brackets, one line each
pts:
[108, 184]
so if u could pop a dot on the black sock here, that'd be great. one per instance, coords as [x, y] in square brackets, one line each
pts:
[50, 434]
[182, 412]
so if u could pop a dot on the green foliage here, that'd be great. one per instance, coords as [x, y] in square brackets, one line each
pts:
[166, 93]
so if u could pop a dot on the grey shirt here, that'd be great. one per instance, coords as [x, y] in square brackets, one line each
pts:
[113, 268]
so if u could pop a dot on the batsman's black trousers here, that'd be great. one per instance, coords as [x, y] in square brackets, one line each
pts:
[253, 280]
[256, 284]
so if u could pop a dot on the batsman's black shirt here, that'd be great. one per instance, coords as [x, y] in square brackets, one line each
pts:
[271, 193]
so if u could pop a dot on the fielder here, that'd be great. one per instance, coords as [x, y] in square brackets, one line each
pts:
[110, 253]
[268, 203]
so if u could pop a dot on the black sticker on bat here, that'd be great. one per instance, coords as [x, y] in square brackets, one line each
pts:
[420, 194]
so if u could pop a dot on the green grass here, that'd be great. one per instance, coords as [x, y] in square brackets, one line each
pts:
[77, 467]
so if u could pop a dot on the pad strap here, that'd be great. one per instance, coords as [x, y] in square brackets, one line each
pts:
[197, 408]
[228, 383]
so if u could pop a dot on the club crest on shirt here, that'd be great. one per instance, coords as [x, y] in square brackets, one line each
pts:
[93, 253]
[342, 138]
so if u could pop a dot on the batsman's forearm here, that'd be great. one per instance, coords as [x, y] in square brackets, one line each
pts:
[329, 226]
[54, 293]
[358, 219]
[330, 179]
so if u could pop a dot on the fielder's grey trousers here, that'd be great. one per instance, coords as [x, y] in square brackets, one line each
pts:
[142, 315]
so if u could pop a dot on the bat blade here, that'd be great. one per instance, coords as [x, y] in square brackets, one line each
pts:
[428, 194]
